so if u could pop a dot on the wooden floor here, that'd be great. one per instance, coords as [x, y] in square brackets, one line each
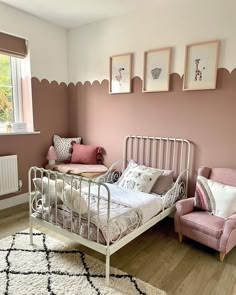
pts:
[157, 257]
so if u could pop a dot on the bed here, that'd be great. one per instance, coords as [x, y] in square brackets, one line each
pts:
[101, 214]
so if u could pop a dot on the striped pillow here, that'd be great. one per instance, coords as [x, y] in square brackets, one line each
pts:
[217, 198]
[203, 195]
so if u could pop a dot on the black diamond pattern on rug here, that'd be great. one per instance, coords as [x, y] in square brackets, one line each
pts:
[15, 255]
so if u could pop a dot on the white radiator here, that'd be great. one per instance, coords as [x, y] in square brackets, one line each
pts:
[8, 175]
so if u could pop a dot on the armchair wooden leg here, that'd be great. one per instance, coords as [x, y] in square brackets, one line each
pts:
[222, 256]
[180, 237]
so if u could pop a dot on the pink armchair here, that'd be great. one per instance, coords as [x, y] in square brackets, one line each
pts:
[210, 230]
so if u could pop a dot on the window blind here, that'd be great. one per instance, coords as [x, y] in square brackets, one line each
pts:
[13, 45]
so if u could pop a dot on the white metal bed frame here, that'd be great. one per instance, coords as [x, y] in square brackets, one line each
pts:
[159, 152]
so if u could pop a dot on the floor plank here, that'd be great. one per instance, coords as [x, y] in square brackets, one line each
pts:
[157, 257]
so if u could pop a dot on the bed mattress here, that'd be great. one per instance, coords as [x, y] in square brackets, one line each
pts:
[79, 169]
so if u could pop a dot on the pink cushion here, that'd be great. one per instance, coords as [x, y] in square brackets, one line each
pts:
[204, 222]
[84, 154]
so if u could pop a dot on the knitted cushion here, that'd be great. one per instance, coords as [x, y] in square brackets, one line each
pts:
[62, 146]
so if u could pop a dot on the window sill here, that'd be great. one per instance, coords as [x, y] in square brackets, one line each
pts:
[20, 133]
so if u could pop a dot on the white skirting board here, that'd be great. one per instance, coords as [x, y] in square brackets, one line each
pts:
[14, 201]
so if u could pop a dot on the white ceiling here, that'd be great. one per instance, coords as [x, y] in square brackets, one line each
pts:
[74, 13]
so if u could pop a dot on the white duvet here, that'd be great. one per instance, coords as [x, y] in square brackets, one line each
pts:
[148, 204]
[128, 209]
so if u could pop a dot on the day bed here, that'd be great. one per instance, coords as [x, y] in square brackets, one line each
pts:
[212, 231]
[69, 155]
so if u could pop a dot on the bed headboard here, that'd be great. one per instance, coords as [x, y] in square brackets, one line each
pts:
[158, 152]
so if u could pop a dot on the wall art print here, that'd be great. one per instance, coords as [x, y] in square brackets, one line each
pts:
[120, 73]
[201, 63]
[156, 70]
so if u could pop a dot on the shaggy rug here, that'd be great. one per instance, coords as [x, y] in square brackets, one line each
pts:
[50, 267]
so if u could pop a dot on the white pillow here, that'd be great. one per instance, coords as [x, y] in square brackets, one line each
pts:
[223, 197]
[130, 166]
[139, 178]
[48, 186]
[73, 200]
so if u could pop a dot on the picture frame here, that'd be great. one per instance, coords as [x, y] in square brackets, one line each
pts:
[120, 72]
[201, 64]
[156, 70]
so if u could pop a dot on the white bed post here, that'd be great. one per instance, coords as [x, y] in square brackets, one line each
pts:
[30, 208]
[108, 239]
[124, 160]
[107, 266]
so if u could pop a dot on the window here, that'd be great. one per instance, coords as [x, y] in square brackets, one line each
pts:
[10, 90]
[15, 84]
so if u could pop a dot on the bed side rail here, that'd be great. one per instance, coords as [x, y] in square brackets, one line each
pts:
[177, 191]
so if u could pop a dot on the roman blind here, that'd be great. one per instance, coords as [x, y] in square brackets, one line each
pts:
[13, 45]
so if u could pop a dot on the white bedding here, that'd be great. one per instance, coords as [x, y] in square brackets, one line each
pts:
[128, 210]
[148, 204]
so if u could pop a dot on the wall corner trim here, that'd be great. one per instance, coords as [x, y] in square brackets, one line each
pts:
[14, 201]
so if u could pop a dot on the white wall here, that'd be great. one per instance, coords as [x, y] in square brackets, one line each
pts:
[48, 43]
[172, 23]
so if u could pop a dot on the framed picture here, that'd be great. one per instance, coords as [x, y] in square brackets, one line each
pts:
[120, 73]
[201, 63]
[156, 70]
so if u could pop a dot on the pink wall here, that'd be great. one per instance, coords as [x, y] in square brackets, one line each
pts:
[50, 107]
[207, 118]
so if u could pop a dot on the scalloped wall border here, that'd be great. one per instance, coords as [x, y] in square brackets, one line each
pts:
[91, 83]
[45, 81]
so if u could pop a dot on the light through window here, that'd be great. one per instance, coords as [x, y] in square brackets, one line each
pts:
[6, 90]
[15, 85]
[10, 90]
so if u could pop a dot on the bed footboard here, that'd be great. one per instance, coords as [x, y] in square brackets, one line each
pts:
[79, 209]
[52, 191]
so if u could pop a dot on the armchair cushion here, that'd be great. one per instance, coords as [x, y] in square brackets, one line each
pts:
[204, 222]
